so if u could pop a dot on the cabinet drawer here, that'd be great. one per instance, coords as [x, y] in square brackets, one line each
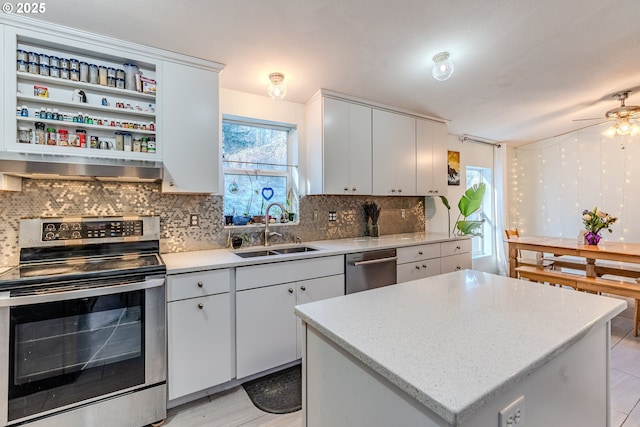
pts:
[455, 247]
[455, 262]
[418, 270]
[201, 283]
[418, 253]
[255, 276]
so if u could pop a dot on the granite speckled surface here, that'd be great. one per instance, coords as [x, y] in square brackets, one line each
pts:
[183, 262]
[440, 343]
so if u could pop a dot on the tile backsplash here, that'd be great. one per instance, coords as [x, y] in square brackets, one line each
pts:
[57, 198]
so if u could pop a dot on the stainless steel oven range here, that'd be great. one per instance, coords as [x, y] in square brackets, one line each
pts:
[82, 324]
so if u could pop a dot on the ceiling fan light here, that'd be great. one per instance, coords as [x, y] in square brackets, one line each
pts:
[624, 127]
[610, 132]
[635, 130]
[443, 67]
[277, 89]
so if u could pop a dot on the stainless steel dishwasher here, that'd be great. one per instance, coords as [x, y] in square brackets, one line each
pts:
[369, 270]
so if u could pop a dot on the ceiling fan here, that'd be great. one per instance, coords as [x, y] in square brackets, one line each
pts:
[624, 117]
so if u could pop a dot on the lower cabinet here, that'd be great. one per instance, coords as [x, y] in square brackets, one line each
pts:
[267, 330]
[456, 255]
[420, 261]
[199, 331]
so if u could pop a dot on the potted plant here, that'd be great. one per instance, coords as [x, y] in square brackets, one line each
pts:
[469, 203]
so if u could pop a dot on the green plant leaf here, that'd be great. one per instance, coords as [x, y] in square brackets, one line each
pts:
[445, 202]
[471, 199]
[472, 228]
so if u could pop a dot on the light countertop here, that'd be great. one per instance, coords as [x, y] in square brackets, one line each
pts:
[449, 340]
[182, 262]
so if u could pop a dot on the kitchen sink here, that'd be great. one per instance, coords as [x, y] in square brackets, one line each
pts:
[294, 250]
[256, 253]
[277, 251]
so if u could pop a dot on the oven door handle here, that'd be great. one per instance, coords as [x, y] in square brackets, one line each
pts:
[6, 301]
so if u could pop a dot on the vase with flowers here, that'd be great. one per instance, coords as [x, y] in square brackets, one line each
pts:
[594, 222]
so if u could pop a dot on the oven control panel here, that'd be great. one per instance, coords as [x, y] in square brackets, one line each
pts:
[61, 230]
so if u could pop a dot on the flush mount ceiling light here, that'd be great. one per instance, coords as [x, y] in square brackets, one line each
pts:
[277, 88]
[443, 67]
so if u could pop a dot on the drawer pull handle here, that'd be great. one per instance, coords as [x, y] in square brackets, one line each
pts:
[346, 189]
[200, 284]
[304, 288]
[290, 290]
[458, 267]
[399, 190]
[417, 267]
[420, 253]
[354, 189]
[424, 266]
[458, 248]
[200, 306]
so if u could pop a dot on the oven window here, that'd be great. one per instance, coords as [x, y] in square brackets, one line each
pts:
[66, 352]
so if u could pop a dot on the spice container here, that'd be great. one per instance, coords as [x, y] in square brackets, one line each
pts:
[44, 70]
[40, 135]
[33, 57]
[84, 72]
[82, 138]
[64, 73]
[52, 136]
[120, 83]
[130, 71]
[74, 75]
[33, 68]
[44, 59]
[111, 81]
[120, 74]
[63, 137]
[93, 73]
[128, 141]
[136, 145]
[93, 142]
[22, 55]
[151, 144]
[22, 66]
[102, 75]
[64, 63]
[143, 144]
[24, 135]
[54, 61]
[54, 72]
[119, 141]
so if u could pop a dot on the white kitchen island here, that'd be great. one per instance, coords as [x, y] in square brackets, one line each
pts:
[455, 350]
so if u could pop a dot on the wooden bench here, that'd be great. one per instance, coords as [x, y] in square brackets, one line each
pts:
[624, 288]
[601, 267]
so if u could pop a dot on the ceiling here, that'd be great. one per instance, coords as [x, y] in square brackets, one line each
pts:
[524, 69]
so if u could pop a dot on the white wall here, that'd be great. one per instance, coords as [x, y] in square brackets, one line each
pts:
[554, 180]
[471, 154]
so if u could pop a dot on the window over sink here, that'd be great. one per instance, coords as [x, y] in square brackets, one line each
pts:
[259, 168]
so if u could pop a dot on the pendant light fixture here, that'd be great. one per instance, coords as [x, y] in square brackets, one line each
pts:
[443, 67]
[277, 88]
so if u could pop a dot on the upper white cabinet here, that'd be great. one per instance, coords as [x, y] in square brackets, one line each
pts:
[431, 157]
[190, 129]
[339, 147]
[394, 154]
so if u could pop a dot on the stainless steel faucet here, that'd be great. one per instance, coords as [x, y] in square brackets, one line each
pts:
[267, 233]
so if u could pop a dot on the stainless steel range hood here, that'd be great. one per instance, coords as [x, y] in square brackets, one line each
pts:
[45, 166]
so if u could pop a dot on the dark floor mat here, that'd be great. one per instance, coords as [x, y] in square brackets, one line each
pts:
[279, 392]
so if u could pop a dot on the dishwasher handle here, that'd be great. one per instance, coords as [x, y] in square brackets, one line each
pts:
[375, 261]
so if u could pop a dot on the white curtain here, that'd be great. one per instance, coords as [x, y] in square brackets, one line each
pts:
[499, 168]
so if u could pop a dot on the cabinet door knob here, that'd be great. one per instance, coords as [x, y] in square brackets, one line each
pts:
[200, 284]
[399, 190]
[354, 189]
[417, 267]
[200, 306]
[458, 248]
[458, 267]
[290, 290]
[435, 191]
[424, 265]
[430, 191]
[393, 190]
[304, 288]
[171, 184]
[420, 253]
[346, 188]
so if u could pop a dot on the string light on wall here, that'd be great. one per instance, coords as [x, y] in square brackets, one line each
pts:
[277, 89]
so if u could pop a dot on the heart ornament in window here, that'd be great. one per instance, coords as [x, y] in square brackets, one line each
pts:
[267, 193]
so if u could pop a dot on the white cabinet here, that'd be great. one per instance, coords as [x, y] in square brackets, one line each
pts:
[190, 129]
[418, 262]
[456, 255]
[199, 331]
[431, 158]
[339, 147]
[394, 154]
[267, 330]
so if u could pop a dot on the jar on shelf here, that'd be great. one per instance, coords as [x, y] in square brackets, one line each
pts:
[74, 75]
[40, 135]
[44, 70]
[128, 141]
[63, 137]
[24, 135]
[143, 144]
[52, 136]
[151, 144]
[120, 74]
[82, 138]
[44, 59]
[93, 73]
[136, 145]
[130, 71]
[54, 72]
[119, 141]
[102, 75]
[74, 64]
[64, 73]
[54, 61]
[84, 72]
[33, 57]
[22, 55]
[22, 66]
[33, 68]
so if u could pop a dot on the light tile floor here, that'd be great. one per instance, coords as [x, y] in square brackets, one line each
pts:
[234, 409]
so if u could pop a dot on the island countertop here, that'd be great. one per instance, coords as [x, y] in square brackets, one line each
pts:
[456, 341]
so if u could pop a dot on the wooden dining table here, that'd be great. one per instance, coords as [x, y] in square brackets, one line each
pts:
[614, 252]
